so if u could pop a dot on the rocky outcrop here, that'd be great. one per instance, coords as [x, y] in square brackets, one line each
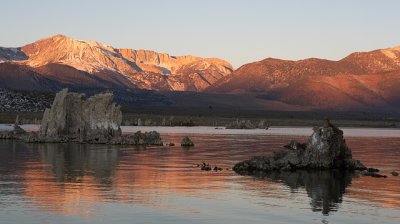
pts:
[88, 64]
[139, 138]
[187, 142]
[205, 166]
[73, 118]
[96, 120]
[326, 149]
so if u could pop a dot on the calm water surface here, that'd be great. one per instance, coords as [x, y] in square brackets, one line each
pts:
[72, 183]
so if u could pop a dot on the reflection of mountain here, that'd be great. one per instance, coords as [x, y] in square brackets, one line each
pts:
[73, 178]
[78, 179]
[325, 188]
[64, 175]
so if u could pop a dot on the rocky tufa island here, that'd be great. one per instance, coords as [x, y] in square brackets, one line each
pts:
[75, 118]
[326, 149]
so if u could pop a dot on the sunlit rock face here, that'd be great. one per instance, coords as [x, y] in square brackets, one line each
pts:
[326, 149]
[184, 73]
[71, 117]
[356, 81]
[78, 63]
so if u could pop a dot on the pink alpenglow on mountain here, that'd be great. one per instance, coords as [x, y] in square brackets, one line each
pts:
[358, 81]
[91, 64]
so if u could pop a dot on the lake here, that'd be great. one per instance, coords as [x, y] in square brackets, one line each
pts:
[75, 183]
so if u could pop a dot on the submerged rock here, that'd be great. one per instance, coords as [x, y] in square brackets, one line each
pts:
[205, 166]
[326, 149]
[395, 173]
[187, 142]
[372, 174]
[216, 168]
[373, 170]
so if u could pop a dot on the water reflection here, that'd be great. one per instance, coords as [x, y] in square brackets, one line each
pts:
[67, 178]
[325, 188]
[70, 162]
[139, 175]
[82, 180]
[59, 177]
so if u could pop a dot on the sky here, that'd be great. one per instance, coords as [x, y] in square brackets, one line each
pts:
[239, 31]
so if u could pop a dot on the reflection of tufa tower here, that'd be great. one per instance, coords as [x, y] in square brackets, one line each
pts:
[324, 187]
[73, 161]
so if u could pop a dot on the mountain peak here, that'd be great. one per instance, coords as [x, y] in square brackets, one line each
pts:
[396, 48]
[358, 80]
[56, 37]
[60, 36]
[61, 49]
[62, 56]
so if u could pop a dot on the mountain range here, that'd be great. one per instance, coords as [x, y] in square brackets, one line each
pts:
[63, 61]
[360, 80]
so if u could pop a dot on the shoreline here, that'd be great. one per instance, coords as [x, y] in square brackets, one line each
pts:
[270, 118]
[272, 131]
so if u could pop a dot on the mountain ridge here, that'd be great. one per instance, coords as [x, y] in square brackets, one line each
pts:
[358, 81]
[93, 57]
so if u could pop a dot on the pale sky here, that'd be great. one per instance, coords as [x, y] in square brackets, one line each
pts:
[237, 31]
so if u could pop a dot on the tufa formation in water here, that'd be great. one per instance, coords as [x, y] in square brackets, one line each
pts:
[326, 149]
[72, 118]
[187, 142]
